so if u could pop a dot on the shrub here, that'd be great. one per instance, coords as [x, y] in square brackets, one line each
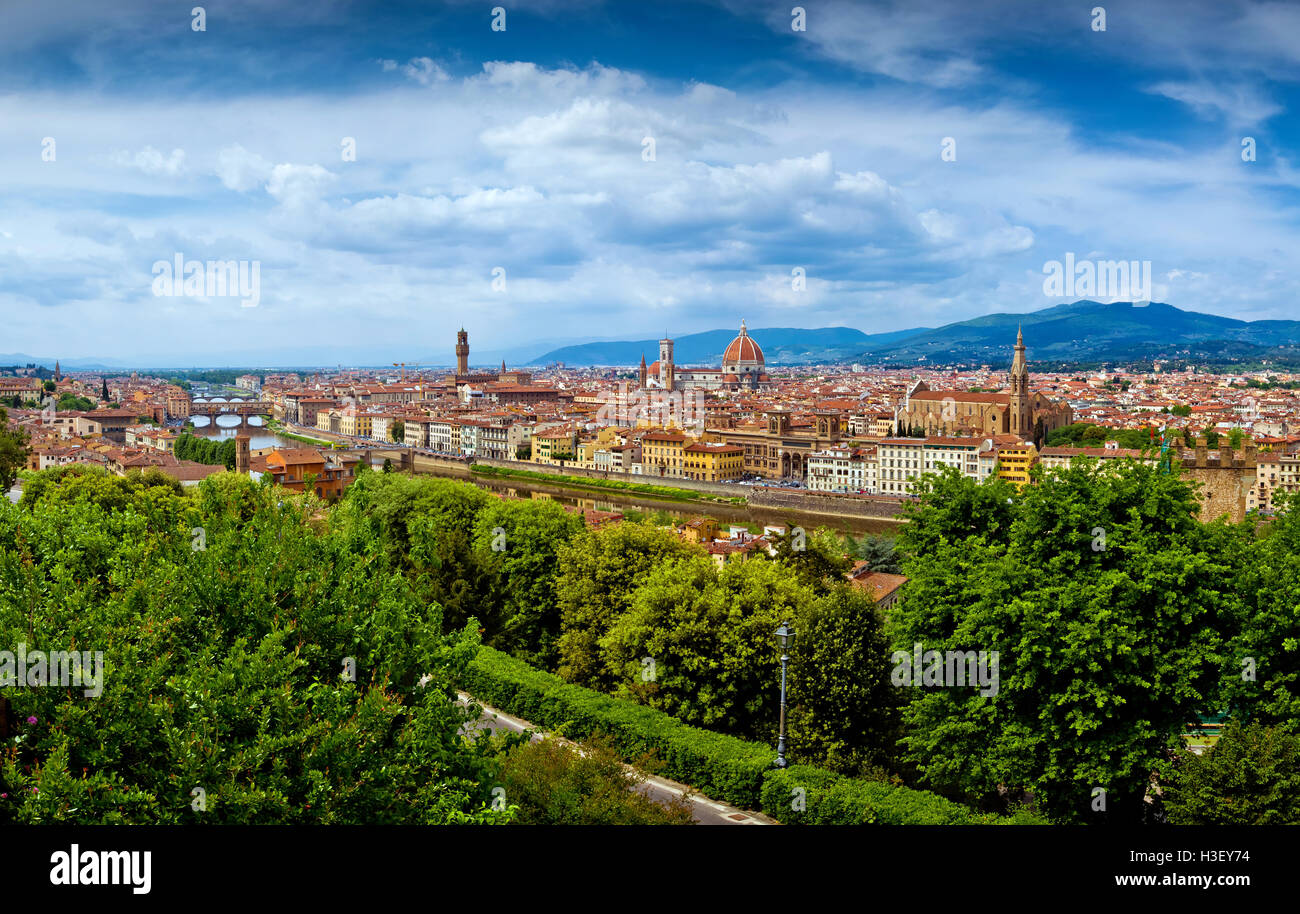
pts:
[724, 767]
[806, 795]
[1250, 777]
[555, 783]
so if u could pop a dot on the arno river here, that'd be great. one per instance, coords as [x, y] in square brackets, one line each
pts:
[742, 514]
[228, 427]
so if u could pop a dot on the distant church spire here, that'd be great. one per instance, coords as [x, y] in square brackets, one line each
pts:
[1021, 418]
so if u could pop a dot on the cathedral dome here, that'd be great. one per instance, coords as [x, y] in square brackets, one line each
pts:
[743, 353]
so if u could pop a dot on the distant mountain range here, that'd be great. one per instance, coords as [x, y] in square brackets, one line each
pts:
[22, 358]
[1085, 331]
[1090, 331]
[781, 346]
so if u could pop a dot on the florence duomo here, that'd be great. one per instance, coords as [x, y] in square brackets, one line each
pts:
[742, 368]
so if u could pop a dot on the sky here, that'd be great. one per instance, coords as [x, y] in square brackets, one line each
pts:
[391, 172]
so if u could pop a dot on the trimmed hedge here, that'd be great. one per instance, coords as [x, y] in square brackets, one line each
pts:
[721, 766]
[730, 769]
[832, 799]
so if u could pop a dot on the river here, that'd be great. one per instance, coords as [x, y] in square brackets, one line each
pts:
[260, 436]
[725, 514]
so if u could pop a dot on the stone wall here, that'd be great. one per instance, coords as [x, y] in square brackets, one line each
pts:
[875, 506]
[708, 488]
[869, 506]
[1224, 479]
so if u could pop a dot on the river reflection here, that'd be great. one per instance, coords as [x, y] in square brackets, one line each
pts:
[230, 426]
[745, 515]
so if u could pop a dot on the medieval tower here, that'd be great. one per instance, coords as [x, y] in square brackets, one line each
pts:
[462, 352]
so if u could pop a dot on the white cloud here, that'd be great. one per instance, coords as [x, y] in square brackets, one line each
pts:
[422, 70]
[240, 169]
[541, 170]
[1239, 105]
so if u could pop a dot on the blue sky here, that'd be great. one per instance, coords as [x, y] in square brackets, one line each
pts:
[522, 150]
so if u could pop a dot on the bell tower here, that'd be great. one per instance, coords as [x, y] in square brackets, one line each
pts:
[666, 367]
[462, 352]
[1021, 420]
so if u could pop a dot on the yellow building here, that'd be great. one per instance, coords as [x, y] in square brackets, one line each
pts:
[1015, 461]
[713, 462]
[355, 424]
[604, 439]
[663, 454]
[701, 530]
[553, 445]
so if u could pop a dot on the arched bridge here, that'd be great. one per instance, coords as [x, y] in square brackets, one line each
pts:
[218, 407]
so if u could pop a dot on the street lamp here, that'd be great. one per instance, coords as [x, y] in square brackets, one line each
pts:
[784, 634]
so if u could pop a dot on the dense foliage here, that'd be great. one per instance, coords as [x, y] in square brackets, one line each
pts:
[723, 767]
[726, 768]
[13, 453]
[227, 616]
[556, 783]
[1085, 434]
[254, 670]
[1251, 776]
[212, 451]
[1108, 605]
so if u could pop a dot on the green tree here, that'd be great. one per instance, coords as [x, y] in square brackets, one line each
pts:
[519, 541]
[1251, 776]
[708, 636]
[397, 432]
[424, 527]
[878, 552]
[598, 572]
[13, 453]
[1103, 597]
[288, 671]
[817, 559]
[1261, 670]
[70, 401]
[843, 708]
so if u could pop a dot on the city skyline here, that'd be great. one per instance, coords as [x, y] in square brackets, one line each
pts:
[523, 150]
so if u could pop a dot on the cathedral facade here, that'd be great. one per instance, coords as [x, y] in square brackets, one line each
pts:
[1019, 411]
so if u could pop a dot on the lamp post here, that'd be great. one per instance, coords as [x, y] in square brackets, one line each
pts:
[784, 634]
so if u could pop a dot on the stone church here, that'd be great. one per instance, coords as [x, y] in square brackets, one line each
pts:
[1020, 411]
